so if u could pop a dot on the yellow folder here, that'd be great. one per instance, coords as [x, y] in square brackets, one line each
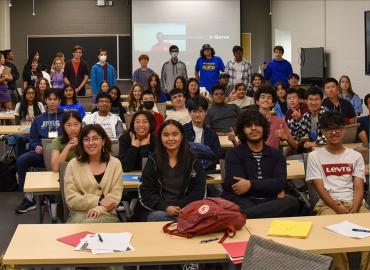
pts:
[299, 229]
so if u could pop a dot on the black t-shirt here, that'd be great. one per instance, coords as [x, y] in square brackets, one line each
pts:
[345, 108]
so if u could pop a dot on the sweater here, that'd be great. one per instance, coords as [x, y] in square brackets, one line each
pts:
[221, 117]
[170, 72]
[97, 76]
[278, 71]
[82, 192]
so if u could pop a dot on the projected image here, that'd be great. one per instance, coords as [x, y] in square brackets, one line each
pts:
[159, 36]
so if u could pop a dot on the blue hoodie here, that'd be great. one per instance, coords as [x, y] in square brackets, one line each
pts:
[41, 125]
[97, 76]
[278, 71]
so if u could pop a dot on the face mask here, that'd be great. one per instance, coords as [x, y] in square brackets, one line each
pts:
[174, 54]
[148, 105]
[103, 58]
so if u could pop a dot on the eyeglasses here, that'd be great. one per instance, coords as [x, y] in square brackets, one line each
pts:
[93, 140]
[332, 130]
[218, 94]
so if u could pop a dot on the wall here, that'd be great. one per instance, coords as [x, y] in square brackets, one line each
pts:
[336, 25]
[4, 25]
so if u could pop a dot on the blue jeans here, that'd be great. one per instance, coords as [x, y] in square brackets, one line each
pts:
[24, 162]
[20, 141]
[160, 216]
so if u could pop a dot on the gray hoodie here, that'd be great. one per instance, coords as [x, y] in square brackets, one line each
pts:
[170, 72]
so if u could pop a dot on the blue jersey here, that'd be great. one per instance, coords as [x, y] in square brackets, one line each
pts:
[209, 71]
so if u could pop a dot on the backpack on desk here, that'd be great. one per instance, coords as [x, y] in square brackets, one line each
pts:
[208, 216]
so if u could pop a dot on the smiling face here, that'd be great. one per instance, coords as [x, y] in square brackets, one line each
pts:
[104, 87]
[178, 100]
[253, 133]
[314, 103]
[179, 84]
[136, 92]
[334, 134]
[42, 86]
[256, 82]
[193, 88]
[171, 137]
[93, 143]
[265, 101]
[58, 65]
[141, 126]
[241, 91]
[153, 83]
[218, 96]
[293, 100]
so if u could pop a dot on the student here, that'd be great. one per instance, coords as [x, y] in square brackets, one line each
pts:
[76, 72]
[364, 122]
[44, 126]
[171, 69]
[281, 105]
[5, 76]
[154, 84]
[278, 69]
[142, 74]
[346, 92]
[42, 85]
[255, 173]
[239, 68]
[148, 104]
[221, 116]
[172, 177]
[104, 86]
[224, 81]
[257, 81]
[192, 89]
[64, 146]
[138, 142]
[295, 112]
[208, 67]
[335, 103]
[69, 101]
[12, 84]
[31, 74]
[134, 99]
[180, 83]
[57, 80]
[180, 113]
[102, 70]
[338, 175]
[293, 80]
[110, 122]
[242, 100]
[93, 180]
[117, 107]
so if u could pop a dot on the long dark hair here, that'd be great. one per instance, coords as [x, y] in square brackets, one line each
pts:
[148, 116]
[182, 79]
[117, 102]
[64, 99]
[82, 156]
[65, 117]
[157, 90]
[187, 93]
[23, 108]
[183, 154]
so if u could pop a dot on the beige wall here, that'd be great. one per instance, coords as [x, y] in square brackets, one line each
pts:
[4, 25]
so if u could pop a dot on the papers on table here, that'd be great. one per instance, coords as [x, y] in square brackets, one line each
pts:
[236, 251]
[100, 243]
[289, 228]
[345, 228]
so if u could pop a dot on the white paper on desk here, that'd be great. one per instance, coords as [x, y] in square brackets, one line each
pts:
[345, 228]
[111, 241]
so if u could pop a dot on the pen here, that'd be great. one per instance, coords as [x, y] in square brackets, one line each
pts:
[208, 240]
[100, 239]
[360, 230]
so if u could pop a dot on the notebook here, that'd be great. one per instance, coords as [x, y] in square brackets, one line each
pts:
[73, 239]
[131, 177]
[236, 251]
[299, 229]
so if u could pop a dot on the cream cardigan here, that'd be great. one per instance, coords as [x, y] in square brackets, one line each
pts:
[82, 192]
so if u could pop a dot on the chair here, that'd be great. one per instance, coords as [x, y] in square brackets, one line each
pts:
[46, 146]
[86, 102]
[62, 171]
[263, 254]
[162, 109]
[350, 135]
[115, 147]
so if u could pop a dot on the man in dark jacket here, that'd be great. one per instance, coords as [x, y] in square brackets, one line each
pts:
[12, 85]
[255, 173]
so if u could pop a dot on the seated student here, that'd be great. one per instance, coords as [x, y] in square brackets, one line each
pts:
[93, 180]
[281, 105]
[134, 99]
[295, 112]
[255, 173]
[338, 175]
[65, 145]
[172, 177]
[308, 129]
[110, 122]
[346, 92]
[138, 142]
[180, 113]
[148, 104]
[293, 80]
[364, 121]
[192, 89]
[44, 126]
[224, 80]
[154, 85]
[335, 103]
[117, 107]
[69, 101]
[104, 86]
[265, 98]
[242, 100]
[221, 116]
[42, 85]
[256, 80]
[180, 83]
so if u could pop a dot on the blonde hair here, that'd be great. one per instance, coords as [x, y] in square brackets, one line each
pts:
[52, 69]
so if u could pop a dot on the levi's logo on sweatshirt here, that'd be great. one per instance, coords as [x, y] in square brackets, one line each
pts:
[337, 169]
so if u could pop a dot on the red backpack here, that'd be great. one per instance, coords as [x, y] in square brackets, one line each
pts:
[208, 216]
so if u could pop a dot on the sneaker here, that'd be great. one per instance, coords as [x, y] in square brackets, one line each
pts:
[26, 206]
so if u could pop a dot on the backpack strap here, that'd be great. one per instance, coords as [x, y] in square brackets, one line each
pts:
[229, 232]
[166, 229]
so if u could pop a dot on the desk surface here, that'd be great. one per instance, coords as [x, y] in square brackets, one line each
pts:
[37, 245]
[7, 116]
[14, 129]
[225, 143]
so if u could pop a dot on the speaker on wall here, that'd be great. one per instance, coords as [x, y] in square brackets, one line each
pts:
[312, 65]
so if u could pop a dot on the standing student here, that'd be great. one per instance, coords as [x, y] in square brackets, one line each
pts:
[57, 78]
[242, 100]
[76, 72]
[117, 107]
[180, 113]
[346, 92]
[64, 146]
[281, 105]
[31, 74]
[239, 68]
[364, 122]
[93, 180]
[142, 74]
[69, 101]
[255, 173]
[338, 175]
[154, 85]
[148, 104]
[172, 177]
[12, 84]
[102, 70]
[42, 85]
[5, 76]
[208, 67]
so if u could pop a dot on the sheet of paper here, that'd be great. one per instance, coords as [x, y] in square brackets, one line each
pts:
[290, 228]
[345, 228]
[112, 242]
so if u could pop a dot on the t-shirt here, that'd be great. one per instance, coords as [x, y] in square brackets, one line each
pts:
[198, 134]
[275, 124]
[182, 116]
[73, 107]
[30, 111]
[258, 157]
[345, 108]
[57, 145]
[141, 76]
[209, 71]
[105, 123]
[238, 72]
[336, 171]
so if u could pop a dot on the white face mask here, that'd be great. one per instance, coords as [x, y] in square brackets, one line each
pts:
[174, 54]
[103, 58]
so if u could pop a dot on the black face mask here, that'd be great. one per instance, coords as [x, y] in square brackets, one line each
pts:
[148, 105]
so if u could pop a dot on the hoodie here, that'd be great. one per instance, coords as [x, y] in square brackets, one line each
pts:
[278, 71]
[97, 76]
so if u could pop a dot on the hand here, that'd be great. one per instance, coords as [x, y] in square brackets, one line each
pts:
[38, 149]
[77, 89]
[309, 145]
[29, 118]
[146, 140]
[232, 137]
[353, 211]
[263, 66]
[281, 194]
[280, 133]
[242, 186]
[232, 96]
[92, 214]
[134, 141]
[108, 204]
[173, 210]
[296, 114]
[341, 210]
[73, 142]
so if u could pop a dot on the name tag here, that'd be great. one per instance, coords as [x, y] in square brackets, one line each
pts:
[52, 134]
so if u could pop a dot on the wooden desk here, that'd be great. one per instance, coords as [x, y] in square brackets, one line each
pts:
[295, 169]
[14, 129]
[36, 245]
[7, 116]
[225, 143]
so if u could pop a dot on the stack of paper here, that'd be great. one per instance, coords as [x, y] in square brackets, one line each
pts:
[346, 228]
[299, 229]
[236, 251]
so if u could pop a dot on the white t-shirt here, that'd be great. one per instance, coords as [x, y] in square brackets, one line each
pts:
[105, 123]
[336, 171]
[238, 72]
[198, 134]
[182, 116]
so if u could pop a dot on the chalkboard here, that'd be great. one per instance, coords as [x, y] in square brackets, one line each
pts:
[50, 45]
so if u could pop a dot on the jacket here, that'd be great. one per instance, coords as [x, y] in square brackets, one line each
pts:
[97, 76]
[278, 71]
[170, 72]
[76, 79]
[150, 191]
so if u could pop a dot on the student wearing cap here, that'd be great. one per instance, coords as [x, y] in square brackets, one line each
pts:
[225, 82]
[208, 67]
[239, 68]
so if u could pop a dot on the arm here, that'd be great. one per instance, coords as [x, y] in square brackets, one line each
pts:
[185, 73]
[163, 79]
[116, 187]
[119, 128]
[358, 193]
[196, 74]
[34, 136]
[114, 76]
[363, 137]
[93, 83]
[197, 69]
[325, 196]
[81, 110]
[65, 74]
[128, 154]
[357, 104]
[233, 167]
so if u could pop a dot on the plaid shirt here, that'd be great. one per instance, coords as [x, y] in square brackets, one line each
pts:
[247, 71]
[301, 128]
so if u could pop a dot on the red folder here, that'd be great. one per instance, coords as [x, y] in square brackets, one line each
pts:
[73, 239]
[236, 251]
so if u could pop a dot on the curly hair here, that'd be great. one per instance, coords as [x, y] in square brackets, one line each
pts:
[248, 118]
